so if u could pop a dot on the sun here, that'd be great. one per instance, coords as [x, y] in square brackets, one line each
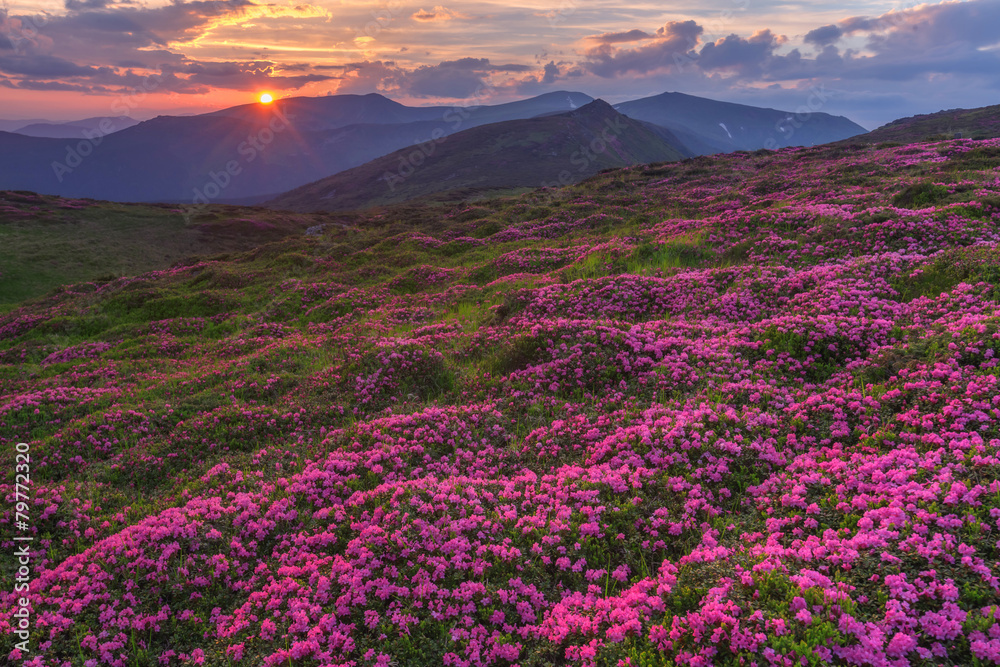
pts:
[265, 98]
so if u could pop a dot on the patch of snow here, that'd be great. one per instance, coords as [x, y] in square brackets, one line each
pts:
[570, 100]
[723, 126]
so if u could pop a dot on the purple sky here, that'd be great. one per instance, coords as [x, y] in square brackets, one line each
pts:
[873, 61]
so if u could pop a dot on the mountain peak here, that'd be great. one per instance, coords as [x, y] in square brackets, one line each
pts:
[596, 109]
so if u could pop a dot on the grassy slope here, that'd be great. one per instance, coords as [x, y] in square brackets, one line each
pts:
[633, 351]
[48, 242]
[982, 123]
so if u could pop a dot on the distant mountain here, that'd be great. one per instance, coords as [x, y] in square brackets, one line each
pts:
[548, 150]
[77, 129]
[313, 114]
[251, 152]
[316, 114]
[708, 126]
[11, 125]
[244, 153]
[982, 123]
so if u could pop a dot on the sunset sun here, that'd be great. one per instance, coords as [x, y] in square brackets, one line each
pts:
[266, 98]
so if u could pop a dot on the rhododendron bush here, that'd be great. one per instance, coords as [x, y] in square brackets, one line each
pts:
[741, 410]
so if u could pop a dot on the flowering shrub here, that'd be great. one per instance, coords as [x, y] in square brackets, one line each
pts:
[741, 410]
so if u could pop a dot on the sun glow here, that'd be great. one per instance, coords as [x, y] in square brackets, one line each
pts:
[266, 98]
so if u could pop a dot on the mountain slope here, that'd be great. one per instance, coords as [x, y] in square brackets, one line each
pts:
[549, 150]
[251, 152]
[12, 125]
[733, 410]
[981, 123]
[709, 126]
[335, 111]
[174, 158]
[51, 241]
[77, 129]
[313, 114]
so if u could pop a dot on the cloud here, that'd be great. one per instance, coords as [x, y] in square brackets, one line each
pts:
[445, 82]
[824, 35]
[620, 37]
[672, 45]
[106, 45]
[744, 56]
[367, 77]
[22, 33]
[94, 26]
[550, 73]
[461, 79]
[538, 81]
[52, 86]
[200, 46]
[950, 38]
[453, 79]
[44, 66]
[87, 4]
[439, 13]
[915, 29]
[248, 75]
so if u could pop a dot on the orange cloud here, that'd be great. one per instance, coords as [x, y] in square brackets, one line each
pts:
[439, 13]
[246, 13]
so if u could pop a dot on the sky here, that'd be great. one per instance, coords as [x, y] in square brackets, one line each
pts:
[871, 61]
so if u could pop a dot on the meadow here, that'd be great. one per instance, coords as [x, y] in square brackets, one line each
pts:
[51, 241]
[737, 410]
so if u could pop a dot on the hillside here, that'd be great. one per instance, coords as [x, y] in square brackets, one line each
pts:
[554, 149]
[729, 411]
[257, 151]
[76, 129]
[709, 126]
[49, 241]
[339, 111]
[269, 149]
[982, 123]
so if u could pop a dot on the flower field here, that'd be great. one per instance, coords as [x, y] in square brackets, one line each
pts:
[739, 410]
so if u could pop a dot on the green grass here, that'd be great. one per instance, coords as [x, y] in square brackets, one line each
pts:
[47, 244]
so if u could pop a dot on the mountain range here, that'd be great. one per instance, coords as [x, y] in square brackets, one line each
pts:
[548, 150]
[709, 126]
[697, 412]
[251, 153]
[77, 129]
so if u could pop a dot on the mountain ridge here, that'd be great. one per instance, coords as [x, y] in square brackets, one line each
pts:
[548, 150]
[723, 126]
[241, 152]
[977, 123]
